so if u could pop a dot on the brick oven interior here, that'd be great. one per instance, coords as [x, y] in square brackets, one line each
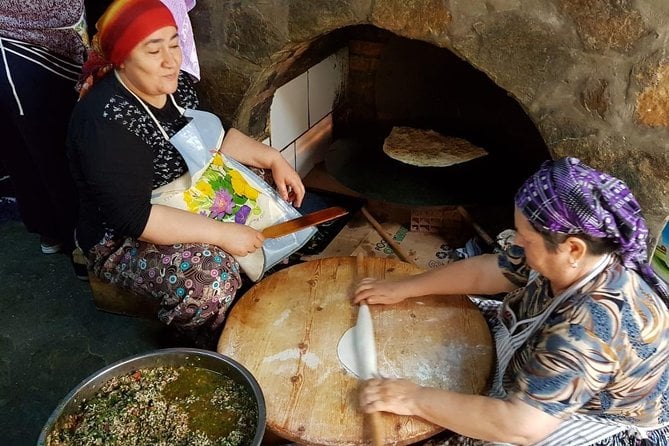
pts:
[564, 77]
[395, 81]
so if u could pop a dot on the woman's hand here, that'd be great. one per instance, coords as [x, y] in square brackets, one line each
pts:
[288, 181]
[376, 291]
[500, 421]
[248, 151]
[169, 225]
[389, 395]
[239, 240]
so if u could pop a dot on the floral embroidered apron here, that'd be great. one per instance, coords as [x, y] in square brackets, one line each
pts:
[219, 187]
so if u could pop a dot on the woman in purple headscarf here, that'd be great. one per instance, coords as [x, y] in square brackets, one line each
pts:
[582, 336]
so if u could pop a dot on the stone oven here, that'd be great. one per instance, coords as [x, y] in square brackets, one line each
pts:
[586, 78]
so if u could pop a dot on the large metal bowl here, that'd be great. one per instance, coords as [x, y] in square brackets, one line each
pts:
[166, 357]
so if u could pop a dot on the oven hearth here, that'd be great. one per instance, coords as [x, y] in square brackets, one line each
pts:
[581, 78]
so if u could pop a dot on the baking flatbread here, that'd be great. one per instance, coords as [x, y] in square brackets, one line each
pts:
[427, 148]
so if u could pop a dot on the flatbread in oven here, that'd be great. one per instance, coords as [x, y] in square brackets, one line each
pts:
[427, 148]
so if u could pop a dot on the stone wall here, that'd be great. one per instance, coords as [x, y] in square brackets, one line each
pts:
[593, 75]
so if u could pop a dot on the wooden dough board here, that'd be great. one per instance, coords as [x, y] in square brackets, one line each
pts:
[286, 328]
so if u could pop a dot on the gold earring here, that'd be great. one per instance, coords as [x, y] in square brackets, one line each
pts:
[574, 264]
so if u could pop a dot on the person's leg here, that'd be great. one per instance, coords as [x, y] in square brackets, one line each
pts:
[35, 155]
[195, 283]
[16, 158]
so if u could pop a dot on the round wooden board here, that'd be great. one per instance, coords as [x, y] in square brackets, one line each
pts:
[286, 328]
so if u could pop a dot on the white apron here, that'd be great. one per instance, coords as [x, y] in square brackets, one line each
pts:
[580, 430]
[198, 142]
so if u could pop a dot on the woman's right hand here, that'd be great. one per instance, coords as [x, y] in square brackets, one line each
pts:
[240, 240]
[376, 291]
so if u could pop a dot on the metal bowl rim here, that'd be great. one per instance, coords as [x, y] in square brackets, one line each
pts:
[185, 351]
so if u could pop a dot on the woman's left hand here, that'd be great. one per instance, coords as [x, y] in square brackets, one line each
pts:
[389, 395]
[248, 151]
[288, 182]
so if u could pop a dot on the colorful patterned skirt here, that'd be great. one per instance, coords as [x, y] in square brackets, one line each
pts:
[194, 282]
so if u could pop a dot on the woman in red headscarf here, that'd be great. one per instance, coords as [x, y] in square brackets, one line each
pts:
[127, 140]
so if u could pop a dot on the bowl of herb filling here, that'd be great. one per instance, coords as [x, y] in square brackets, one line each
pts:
[170, 397]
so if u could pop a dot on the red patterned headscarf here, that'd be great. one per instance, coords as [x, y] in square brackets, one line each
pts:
[121, 28]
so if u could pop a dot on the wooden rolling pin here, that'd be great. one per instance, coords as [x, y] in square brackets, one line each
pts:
[371, 420]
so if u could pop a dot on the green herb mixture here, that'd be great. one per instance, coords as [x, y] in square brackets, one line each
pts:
[170, 406]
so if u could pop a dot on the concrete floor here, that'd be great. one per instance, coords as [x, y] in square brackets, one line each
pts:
[51, 334]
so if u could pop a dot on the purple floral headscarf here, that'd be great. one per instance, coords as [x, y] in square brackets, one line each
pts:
[569, 197]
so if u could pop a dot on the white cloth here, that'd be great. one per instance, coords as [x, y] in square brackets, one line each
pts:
[179, 9]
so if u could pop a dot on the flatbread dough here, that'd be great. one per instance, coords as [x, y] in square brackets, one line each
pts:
[427, 148]
[347, 353]
[356, 349]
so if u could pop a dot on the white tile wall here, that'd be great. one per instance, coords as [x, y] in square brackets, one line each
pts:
[325, 82]
[289, 112]
[311, 147]
[288, 153]
[301, 112]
